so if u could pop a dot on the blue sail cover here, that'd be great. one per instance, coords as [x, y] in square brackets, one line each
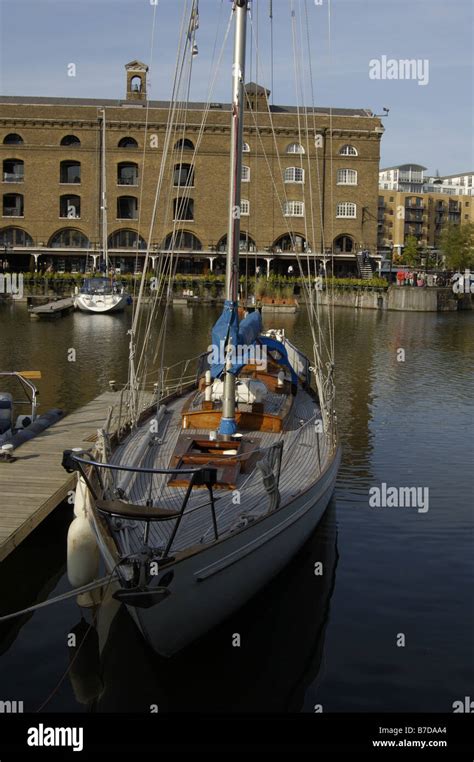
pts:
[276, 346]
[227, 329]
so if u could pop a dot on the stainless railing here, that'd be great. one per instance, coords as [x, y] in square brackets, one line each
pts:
[148, 494]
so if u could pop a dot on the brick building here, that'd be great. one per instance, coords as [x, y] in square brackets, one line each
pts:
[324, 192]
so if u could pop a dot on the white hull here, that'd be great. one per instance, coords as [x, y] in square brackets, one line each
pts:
[100, 303]
[210, 585]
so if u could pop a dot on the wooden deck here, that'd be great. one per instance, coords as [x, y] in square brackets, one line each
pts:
[54, 309]
[300, 467]
[36, 483]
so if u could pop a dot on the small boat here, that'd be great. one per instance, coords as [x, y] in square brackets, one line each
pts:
[15, 429]
[101, 295]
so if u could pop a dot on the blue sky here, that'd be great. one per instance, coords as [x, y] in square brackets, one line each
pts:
[431, 125]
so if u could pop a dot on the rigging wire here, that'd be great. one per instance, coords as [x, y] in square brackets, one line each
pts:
[142, 173]
[331, 185]
[276, 190]
[167, 265]
[133, 402]
[325, 388]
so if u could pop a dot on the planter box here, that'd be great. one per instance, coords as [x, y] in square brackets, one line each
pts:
[282, 306]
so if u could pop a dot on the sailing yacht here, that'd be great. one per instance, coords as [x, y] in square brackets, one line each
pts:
[209, 489]
[99, 295]
[102, 294]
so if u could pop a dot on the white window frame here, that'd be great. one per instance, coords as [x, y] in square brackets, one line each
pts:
[351, 152]
[245, 148]
[290, 175]
[245, 173]
[295, 148]
[294, 209]
[244, 207]
[342, 210]
[343, 177]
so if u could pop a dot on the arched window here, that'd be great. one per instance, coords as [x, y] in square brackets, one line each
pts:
[294, 175]
[70, 172]
[15, 237]
[290, 242]
[127, 173]
[13, 205]
[13, 139]
[183, 175]
[244, 207]
[69, 238]
[13, 170]
[346, 209]
[348, 150]
[245, 174]
[70, 140]
[294, 209]
[136, 84]
[180, 240]
[247, 243]
[343, 244]
[127, 208]
[295, 148]
[127, 142]
[184, 145]
[346, 177]
[183, 209]
[70, 207]
[245, 148]
[125, 239]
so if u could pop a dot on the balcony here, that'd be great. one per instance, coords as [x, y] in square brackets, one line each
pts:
[413, 215]
[12, 211]
[410, 177]
[127, 181]
[13, 177]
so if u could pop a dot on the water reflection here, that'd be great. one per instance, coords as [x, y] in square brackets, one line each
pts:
[405, 423]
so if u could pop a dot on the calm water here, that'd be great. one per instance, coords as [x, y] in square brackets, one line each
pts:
[306, 640]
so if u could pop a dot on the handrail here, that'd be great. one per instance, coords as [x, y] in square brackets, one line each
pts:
[114, 467]
[204, 475]
[26, 385]
[207, 474]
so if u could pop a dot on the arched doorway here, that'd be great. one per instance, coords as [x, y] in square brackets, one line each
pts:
[247, 243]
[344, 244]
[290, 242]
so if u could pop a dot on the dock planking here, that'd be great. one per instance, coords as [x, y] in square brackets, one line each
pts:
[36, 483]
[54, 309]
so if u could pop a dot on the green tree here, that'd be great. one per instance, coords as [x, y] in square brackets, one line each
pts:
[411, 252]
[457, 244]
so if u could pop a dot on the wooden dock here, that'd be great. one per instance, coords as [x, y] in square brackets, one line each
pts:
[55, 309]
[36, 483]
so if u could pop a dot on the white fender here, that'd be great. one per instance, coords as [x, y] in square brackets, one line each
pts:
[80, 498]
[82, 549]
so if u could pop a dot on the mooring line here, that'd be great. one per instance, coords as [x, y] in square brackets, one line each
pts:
[63, 597]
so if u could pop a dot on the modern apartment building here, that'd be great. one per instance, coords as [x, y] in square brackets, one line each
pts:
[422, 215]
